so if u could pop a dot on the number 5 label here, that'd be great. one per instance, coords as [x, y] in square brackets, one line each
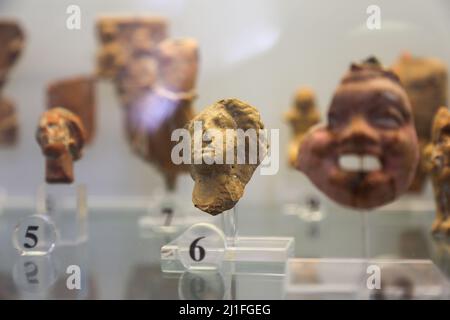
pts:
[35, 235]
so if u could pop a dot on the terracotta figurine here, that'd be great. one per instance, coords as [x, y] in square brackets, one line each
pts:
[12, 40]
[220, 179]
[426, 83]
[303, 115]
[367, 153]
[154, 117]
[437, 158]
[61, 135]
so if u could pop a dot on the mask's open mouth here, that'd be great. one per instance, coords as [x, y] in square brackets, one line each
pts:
[361, 163]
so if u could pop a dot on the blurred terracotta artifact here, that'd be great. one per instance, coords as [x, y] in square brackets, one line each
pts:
[8, 123]
[220, 179]
[75, 94]
[303, 115]
[426, 83]
[437, 158]
[367, 153]
[61, 135]
[127, 53]
[152, 118]
[12, 42]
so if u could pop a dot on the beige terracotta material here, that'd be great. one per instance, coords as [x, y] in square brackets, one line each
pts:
[426, 83]
[76, 94]
[12, 42]
[437, 159]
[61, 136]
[367, 153]
[218, 187]
[303, 115]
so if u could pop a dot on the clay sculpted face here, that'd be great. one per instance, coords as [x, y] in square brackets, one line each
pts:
[219, 186]
[367, 154]
[60, 132]
[61, 136]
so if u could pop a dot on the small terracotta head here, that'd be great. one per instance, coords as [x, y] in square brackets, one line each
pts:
[61, 136]
[367, 153]
[219, 186]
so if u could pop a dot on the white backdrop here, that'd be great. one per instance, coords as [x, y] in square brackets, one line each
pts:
[255, 50]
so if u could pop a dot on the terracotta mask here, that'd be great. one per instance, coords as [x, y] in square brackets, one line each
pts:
[61, 136]
[220, 185]
[367, 153]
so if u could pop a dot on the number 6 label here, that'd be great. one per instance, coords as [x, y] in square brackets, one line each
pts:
[201, 251]
[202, 246]
[35, 235]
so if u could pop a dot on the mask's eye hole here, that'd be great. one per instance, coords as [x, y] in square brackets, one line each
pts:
[389, 118]
[335, 119]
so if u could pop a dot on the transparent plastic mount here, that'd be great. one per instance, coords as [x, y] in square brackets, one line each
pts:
[204, 246]
[167, 214]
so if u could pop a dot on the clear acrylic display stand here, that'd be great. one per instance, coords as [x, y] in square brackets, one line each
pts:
[167, 214]
[60, 220]
[205, 246]
[364, 278]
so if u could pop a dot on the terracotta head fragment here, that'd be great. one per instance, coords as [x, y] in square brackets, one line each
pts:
[61, 135]
[220, 179]
[367, 153]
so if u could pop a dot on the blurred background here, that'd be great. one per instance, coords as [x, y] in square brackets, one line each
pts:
[259, 51]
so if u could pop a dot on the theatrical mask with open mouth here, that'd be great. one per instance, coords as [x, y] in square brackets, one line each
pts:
[367, 153]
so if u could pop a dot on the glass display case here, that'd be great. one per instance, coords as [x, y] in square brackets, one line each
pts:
[101, 194]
